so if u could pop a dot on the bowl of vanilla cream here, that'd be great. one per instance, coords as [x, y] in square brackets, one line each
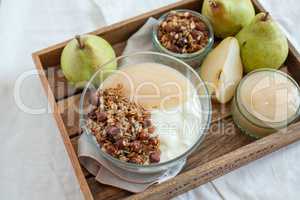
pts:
[147, 116]
[266, 100]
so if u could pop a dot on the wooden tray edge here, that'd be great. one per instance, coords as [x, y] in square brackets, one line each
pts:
[62, 129]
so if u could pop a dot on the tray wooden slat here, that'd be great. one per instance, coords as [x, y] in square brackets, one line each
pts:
[223, 150]
[106, 192]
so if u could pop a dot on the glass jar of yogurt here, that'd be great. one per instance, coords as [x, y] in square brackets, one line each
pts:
[265, 101]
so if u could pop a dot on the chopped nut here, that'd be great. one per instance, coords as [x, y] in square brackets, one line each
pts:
[200, 26]
[151, 129]
[192, 25]
[137, 159]
[175, 49]
[143, 135]
[110, 149]
[123, 158]
[154, 157]
[136, 146]
[101, 116]
[186, 14]
[147, 123]
[153, 141]
[169, 28]
[113, 131]
[122, 143]
[182, 42]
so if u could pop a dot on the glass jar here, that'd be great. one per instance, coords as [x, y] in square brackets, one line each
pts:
[193, 59]
[265, 101]
[168, 61]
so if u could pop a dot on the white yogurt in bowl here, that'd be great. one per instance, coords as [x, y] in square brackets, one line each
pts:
[178, 128]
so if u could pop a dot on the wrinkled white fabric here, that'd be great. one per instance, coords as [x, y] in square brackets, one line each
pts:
[116, 10]
[33, 160]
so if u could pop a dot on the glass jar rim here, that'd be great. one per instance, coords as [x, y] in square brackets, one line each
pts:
[271, 125]
[185, 55]
[173, 160]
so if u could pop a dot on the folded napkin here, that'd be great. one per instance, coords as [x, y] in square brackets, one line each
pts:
[88, 151]
[142, 39]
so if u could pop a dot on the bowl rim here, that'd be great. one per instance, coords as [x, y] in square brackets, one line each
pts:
[82, 121]
[203, 18]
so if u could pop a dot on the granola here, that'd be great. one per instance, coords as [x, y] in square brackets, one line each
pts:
[122, 127]
[183, 32]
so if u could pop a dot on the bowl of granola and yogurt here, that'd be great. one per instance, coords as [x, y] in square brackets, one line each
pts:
[149, 115]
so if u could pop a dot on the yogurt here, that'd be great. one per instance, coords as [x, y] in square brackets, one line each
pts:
[178, 128]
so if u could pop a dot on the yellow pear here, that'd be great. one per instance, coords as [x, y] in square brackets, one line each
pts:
[263, 44]
[85, 55]
[222, 69]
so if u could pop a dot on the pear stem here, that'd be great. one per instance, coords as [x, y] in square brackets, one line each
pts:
[212, 3]
[81, 45]
[265, 17]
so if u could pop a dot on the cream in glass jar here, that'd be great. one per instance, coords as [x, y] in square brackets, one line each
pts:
[266, 100]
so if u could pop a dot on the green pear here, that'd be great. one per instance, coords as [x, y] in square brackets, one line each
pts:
[262, 44]
[228, 17]
[222, 69]
[83, 56]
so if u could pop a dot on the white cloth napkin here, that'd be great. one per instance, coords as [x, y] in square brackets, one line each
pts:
[142, 39]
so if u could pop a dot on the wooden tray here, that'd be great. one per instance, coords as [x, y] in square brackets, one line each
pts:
[223, 150]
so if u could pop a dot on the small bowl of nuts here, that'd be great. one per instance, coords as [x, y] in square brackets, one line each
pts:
[184, 34]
